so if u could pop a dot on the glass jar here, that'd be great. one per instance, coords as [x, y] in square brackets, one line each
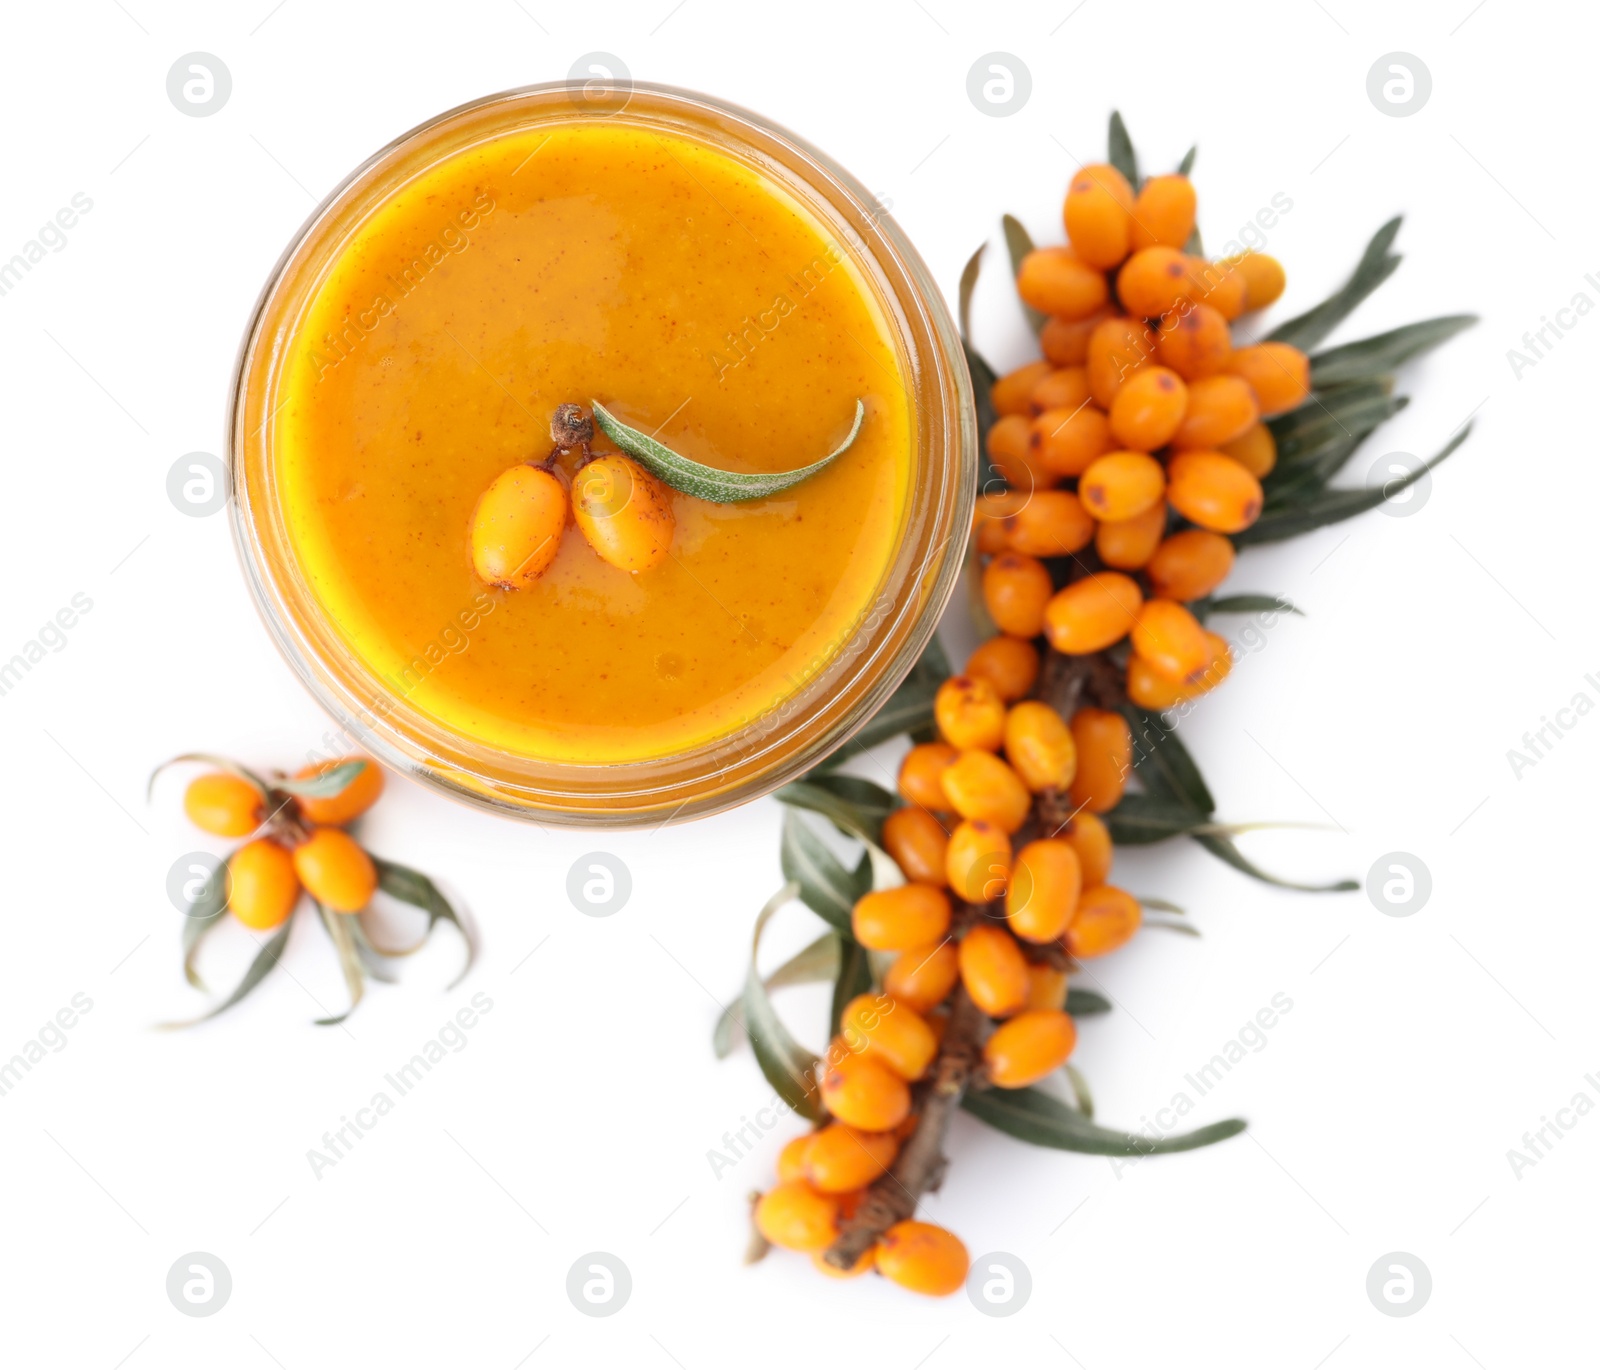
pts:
[838, 695]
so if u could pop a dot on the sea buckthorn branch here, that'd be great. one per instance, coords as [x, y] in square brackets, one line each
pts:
[298, 843]
[1124, 470]
[920, 1166]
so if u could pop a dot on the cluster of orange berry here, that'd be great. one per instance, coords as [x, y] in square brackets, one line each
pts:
[304, 843]
[1004, 928]
[1141, 409]
[622, 511]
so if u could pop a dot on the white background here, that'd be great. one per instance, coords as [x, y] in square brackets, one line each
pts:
[1418, 1050]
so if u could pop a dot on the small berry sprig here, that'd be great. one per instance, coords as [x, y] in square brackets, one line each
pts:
[298, 844]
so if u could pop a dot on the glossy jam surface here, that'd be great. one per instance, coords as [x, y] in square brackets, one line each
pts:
[697, 300]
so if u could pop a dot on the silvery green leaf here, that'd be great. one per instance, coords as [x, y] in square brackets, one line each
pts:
[707, 482]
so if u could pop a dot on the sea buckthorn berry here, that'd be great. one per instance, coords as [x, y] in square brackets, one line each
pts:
[1255, 449]
[1218, 285]
[1015, 590]
[994, 970]
[1190, 565]
[922, 977]
[1039, 746]
[1163, 213]
[1154, 281]
[262, 885]
[921, 779]
[1065, 441]
[1194, 342]
[989, 516]
[792, 1159]
[1010, 393]
[1148, 409]
[923, 1258]
[1047, 987]
[916, 840]
[1263, 278]
[1054, 280]
[1213, 491]
[891, 1032]
[623, 512]
[969, 714]
[1121, 485]
[1093, 613]
[1105, 756]
[1034, 1044]
[1171, 639]
[223, 804]
[1279, 374]
[1088, 835]
[1064, 389]
[335, 810]
[1046, 880]
[1106, 918]
[1150, 689]
[1053, 523]
[989, 535]
[1127, 544]
[1013, 449]
[1118, 348]
[978, 861]
[335, 870]
[1221, 408]
[517, 526]
[905, 916]
[1066, 341]
[1096, 215]
[794, 1215]
[1008, 663]
[981, 786]
[866, 1261]
[862, 1092]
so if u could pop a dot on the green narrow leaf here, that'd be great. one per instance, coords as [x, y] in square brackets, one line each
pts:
[854, 977]
[1331, 415]
[415, 888]
[969, 281]
[1377, 264]
[265, 959]
[1163, 762]
[221, 763]
[787, 1066]
[335, 780]
[1140, 819]
[909, 709]
[826, 887]
[1375, 356]
[1334, 506]
[344, 942]
[1080, 1089]
[1193, 245]
[203, 914]
[1019, 243]
[1119, 150]
[983, 379]
[707, 482]
[1222, 846]
[1187, 164]
[1243, 604]
[817, 962]
[374, 960]
[1081, 1003]
[855, 806]
[1187, 929]
[1031, 1115]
